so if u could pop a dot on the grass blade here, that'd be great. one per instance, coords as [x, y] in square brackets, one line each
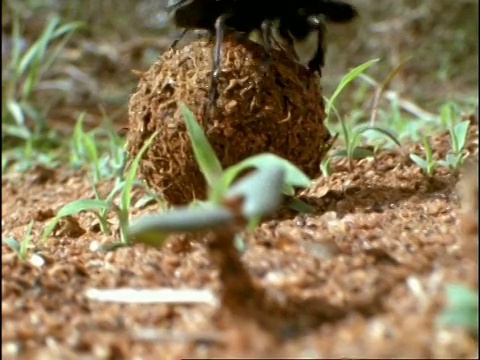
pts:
[347, 78]
[382, 131]
[74, 208]
[459, 136]
[206, 158]
[132, 172]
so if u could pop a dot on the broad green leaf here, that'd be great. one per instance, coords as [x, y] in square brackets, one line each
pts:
[419, 161]
[460, 295]
[460, 131]
[154, 229]
[207, 160]
[462, 308]
[13, 243]
[293, 175]
[261, 191]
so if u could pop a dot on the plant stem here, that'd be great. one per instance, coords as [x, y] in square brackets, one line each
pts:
[238, 288]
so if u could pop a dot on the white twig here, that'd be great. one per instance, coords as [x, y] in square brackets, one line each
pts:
[153, 296]
[156, 335]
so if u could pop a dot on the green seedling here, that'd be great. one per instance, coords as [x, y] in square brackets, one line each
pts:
[24, 70]
[354, 136]
[253, 196]
[458, 137]
[230, 198]
[462, 308]
[87, 147]
[84, 149]
[351, 134]
[21, 247]
[427, 164]
[154, 229]
[101, 207]
[257, 194]
[219, 179]
[326, 167]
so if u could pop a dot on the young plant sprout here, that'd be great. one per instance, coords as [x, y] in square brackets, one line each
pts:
[233, 204]
[100, 207]
[458, 137]
[351, 134]
[256, 195]
[230, 202]
[427, 164]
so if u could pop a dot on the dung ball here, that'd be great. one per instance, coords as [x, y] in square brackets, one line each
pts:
[276, 108]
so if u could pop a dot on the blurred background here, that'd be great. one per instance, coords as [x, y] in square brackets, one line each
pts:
[87, 66]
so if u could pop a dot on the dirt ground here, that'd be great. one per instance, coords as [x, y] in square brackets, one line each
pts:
[363, 276]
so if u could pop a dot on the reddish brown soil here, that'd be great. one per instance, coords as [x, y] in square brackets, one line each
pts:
[363, 276]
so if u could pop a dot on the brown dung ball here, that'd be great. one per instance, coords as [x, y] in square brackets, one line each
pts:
[279, 111]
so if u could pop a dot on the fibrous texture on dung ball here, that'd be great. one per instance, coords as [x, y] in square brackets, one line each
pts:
[279, 111]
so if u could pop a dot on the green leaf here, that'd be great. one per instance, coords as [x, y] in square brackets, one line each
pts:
[380, 130]
[462, 309]
[460, 131]
[26, 240]
[206, 158]
[154, 229]
[325, 167]
[451, 161]
[16, 111]
[461, 296]
[16, 41]
[112, 246]
[361, 153]
[340, 153]
[127, 186]
[132, 173]
[428, 151]
[13, 243]
[346, 79]
[300, 206]
[74, 208]
[293, 175]
[239, 244]
[261, 191]
[20, 132]
[446, 115]
[419, 161]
